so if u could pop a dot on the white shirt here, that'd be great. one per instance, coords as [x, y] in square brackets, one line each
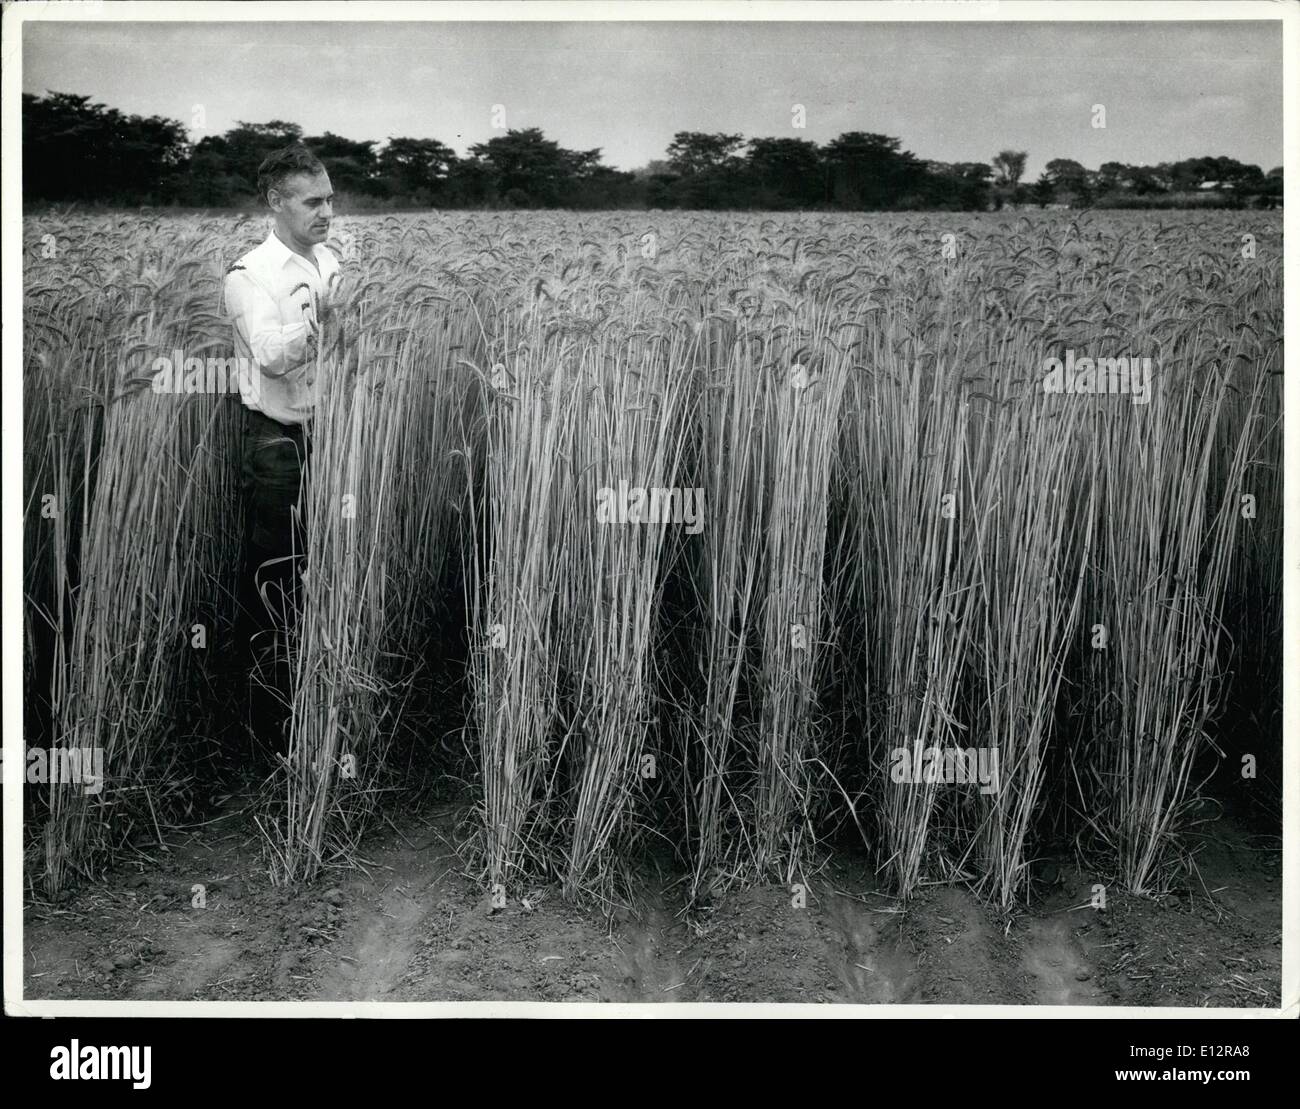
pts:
[274, 297]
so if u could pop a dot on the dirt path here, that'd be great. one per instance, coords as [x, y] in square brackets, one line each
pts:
[388, 942]
[1062, 975]
[201, 921]
[873, 965]
[647, 946]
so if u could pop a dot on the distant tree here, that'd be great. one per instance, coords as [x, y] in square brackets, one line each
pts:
[1162, 177]
[1065, 175]
[1009, 167]
[1144, 181]
[1271, 194]
[1246, 181]
[604, 187]
[654, 168]
[704, 171]
[416, 168]
[1112, 176]
[959, 186]
[785, 173]
[1042, 192]
[529, 170]
[74, 149]
[352, 165]
[693, 152]
[469, 184]
[870, 171]
[233, 159]
[78, 150]
[208, 182]
[660, 184]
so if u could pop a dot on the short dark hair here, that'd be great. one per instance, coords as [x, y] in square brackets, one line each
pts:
[282, 164]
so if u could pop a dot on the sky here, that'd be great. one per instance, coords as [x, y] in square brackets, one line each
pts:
[951, 91]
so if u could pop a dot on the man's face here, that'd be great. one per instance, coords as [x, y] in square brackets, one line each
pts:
[303, 208]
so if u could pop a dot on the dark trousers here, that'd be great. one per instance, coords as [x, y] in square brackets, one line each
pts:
[274, 460]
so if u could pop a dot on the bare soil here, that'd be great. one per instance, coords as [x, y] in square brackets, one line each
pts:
[408, 923]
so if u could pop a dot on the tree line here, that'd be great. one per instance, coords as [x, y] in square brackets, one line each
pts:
[77, 151]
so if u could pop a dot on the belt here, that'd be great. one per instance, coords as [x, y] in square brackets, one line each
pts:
[291, 430]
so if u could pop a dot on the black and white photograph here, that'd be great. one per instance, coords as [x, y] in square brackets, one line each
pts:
[632, 508]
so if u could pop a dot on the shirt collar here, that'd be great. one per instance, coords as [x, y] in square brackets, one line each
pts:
[279, 253]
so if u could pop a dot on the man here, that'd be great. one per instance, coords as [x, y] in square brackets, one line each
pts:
[278, 296]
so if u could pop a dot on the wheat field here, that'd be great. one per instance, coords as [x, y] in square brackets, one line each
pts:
[884, 534]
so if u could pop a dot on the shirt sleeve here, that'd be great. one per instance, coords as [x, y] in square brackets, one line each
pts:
[277, 348]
